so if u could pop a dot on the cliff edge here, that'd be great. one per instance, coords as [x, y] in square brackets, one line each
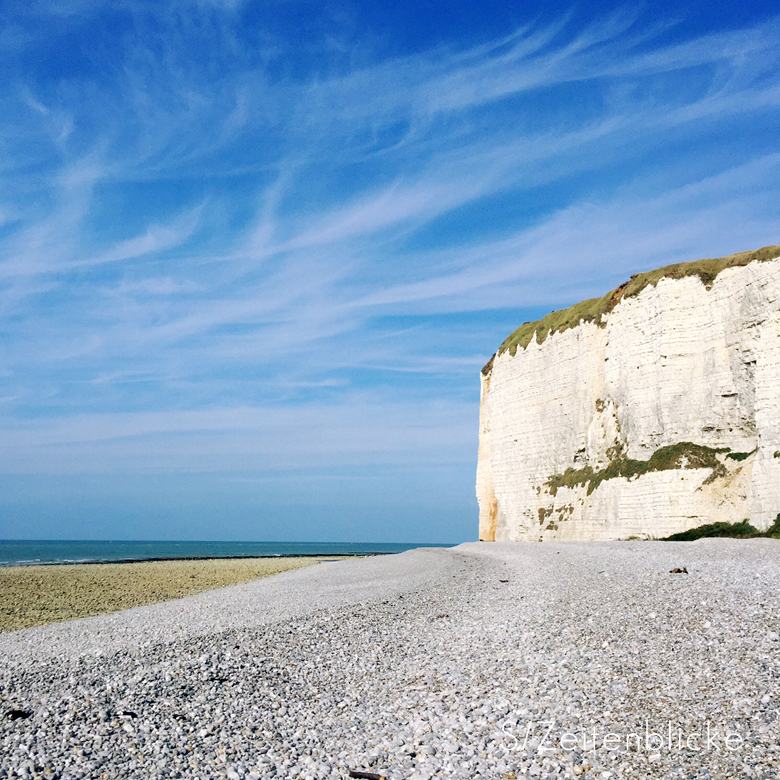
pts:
[647, 412]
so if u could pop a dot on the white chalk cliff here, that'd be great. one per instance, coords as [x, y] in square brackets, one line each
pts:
[651, 411]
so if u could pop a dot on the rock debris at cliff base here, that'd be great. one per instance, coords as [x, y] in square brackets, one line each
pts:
[430, 663]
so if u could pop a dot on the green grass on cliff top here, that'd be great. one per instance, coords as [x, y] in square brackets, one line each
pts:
[594, 309]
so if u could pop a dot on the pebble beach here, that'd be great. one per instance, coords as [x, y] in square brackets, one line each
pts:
[554, 660]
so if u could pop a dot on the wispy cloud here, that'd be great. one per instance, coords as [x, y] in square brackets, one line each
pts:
[364, 431]
[208, 230]
[155, 239]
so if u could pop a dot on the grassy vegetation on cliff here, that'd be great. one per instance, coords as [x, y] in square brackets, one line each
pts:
[740, 455]
[594, 309]
[684, 454]
[743, 530]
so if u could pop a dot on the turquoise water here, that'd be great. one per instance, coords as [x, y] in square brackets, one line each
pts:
[20, 553]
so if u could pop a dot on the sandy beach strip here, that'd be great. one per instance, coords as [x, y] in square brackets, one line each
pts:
[594, 661]
[37, 595]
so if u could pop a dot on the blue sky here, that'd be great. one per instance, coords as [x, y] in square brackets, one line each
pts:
[253, 255]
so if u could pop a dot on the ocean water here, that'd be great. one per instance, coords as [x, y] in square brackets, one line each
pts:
[25, 553]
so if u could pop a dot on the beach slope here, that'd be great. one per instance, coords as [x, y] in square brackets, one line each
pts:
[36, 595]
[484, 660]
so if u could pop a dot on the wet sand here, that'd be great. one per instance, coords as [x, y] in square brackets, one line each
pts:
[37, 595]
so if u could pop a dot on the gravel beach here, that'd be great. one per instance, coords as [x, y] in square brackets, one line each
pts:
[35, 595]
[549, 660]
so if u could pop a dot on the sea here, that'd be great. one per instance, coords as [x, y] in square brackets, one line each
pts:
[27, 553]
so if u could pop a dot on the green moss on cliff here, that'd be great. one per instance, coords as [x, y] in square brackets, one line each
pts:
[743, 530]
[740, 455]
[594, 309]
[684, 454]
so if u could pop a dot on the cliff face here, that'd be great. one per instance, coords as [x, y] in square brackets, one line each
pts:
[650, 411]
